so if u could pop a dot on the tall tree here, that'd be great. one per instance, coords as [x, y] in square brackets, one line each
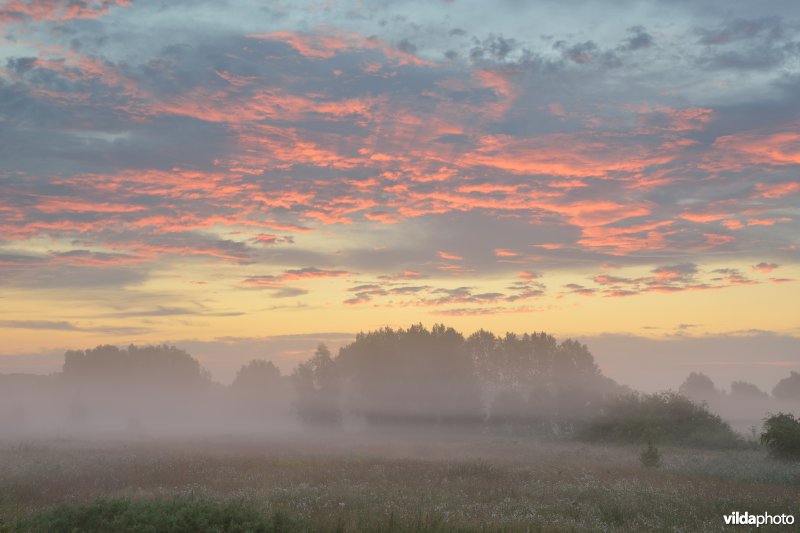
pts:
[317, 389]
[743, 390]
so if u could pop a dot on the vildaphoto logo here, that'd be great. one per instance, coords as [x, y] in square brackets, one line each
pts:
[746, 519]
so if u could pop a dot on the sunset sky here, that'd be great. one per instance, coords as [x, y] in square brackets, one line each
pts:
[252, 177]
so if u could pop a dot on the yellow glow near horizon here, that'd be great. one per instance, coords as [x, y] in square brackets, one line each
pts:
[223, 309]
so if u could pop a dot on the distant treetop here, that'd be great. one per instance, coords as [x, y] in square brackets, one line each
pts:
[152, 363]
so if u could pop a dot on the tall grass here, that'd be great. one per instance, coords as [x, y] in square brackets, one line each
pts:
[441, 483]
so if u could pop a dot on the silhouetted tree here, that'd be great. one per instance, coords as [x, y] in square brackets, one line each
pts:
[259, 391]
[580, 387]
[743, 390]
[411, 375]
[512, 362]
[317, 388]
[558, 383]
[788, 389]
[154, 365]
[146, 382]
[256, 376]
[699, 387]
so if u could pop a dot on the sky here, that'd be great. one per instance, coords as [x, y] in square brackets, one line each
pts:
[247, 179]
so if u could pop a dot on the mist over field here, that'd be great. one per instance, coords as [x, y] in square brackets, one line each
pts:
[409, 429]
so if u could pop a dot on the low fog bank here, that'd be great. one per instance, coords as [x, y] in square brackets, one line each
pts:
[651, 365]
[743, 405]
[415, 380]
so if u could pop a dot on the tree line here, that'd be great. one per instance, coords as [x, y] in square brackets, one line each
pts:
[521, 383]
[437, 376]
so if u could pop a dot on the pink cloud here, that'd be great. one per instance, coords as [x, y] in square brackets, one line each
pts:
[18, 10]
[449, 256]
[765, 267]
[279, 280]
[777, 190]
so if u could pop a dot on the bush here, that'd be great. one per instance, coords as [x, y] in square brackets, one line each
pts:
[650, 457]
[781, 436]
[664, 417]
[170, 515]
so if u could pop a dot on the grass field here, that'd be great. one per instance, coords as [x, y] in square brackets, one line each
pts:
[345, 482]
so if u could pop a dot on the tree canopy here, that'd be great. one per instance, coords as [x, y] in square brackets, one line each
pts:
[699, 387]
[153, 364]
[788, 389]
[412, 374]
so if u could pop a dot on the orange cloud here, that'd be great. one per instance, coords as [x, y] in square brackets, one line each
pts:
[405, 275]
[449, 257]
[621, 240]
[702, 217]
[777, 190]
[18, 10]
[570, 155]
[324, 45]
[781, 148]
[279, 280]
[500, 252]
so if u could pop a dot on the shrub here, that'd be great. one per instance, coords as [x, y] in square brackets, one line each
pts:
[664, 417]
[169, 515]
[781, 436]
[650, 456]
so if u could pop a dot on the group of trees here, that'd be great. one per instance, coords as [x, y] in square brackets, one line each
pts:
[700, 387]
[436, 376]
[156, 387]
[412, 375]
[389, 376]
[745, 404]
[532, 378]
[529, 383]
[662, 417]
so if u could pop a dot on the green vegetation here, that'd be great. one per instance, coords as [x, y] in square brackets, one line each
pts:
[169, 515]
[352, 483]
[663, 417]
[650, 456]
[781, 436]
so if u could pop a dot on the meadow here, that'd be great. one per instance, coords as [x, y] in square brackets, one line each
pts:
[387, 481]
